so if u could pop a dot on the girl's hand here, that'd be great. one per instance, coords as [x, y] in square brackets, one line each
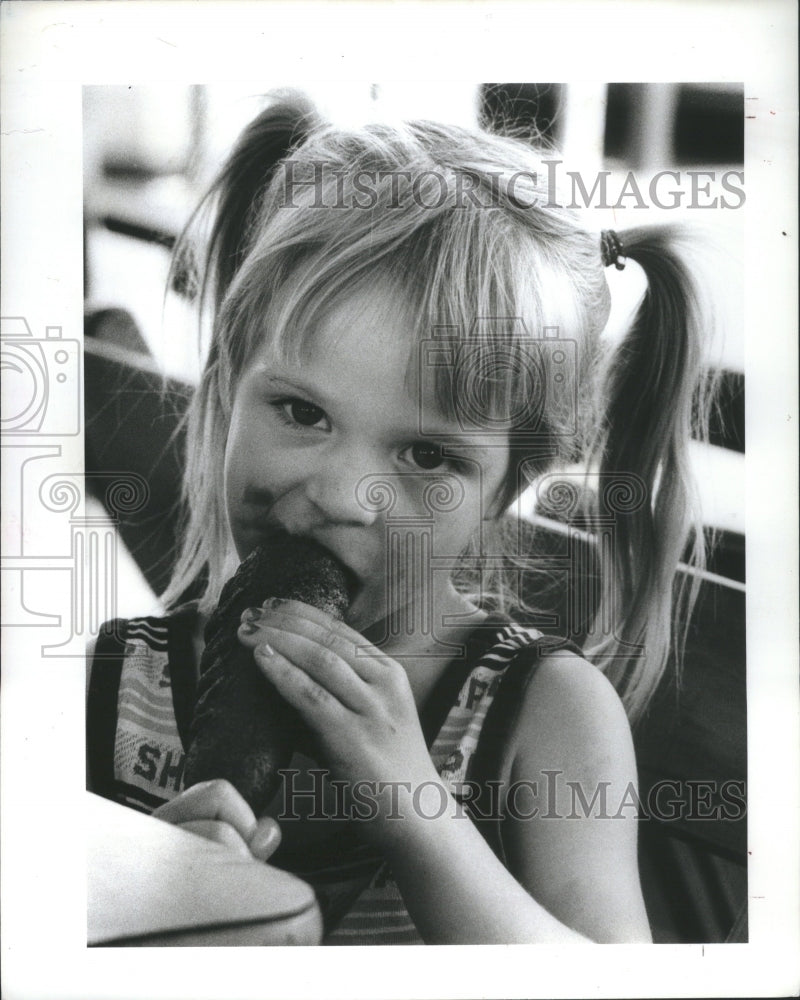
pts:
[356, 700]
[216, 811]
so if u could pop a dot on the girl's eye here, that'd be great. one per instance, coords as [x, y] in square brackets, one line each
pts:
[300, 411]
[427, 455]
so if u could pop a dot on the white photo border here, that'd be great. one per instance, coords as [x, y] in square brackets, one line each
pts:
[49, 52]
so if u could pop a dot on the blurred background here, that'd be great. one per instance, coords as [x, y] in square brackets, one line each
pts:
[149, 153]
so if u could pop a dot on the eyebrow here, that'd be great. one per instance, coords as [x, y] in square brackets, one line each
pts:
[276, 380]
[288, 385]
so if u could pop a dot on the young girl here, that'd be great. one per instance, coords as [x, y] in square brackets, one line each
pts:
[406, 334]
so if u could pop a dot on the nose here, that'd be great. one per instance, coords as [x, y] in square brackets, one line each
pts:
[332, 486]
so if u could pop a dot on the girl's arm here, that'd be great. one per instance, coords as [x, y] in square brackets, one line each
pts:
[573, 871]
[570, 879]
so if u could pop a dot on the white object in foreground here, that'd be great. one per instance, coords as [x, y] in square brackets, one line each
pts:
[153, 884]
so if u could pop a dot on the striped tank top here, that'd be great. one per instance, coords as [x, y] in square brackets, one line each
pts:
[139, 710]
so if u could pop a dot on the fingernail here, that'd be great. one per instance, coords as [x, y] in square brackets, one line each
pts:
[264, 840]
[248, 628]
[251, 614]
[273, 602]
[266, 650]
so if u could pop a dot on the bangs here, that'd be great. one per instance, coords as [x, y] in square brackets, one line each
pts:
[470, 284]
[473, 283]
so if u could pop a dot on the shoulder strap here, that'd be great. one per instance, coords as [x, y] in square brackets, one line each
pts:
[180, 652]
[500, 720]
[101, 706]
[445, 691]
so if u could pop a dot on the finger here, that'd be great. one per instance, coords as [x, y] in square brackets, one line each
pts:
[210, 800]
[283, 614]
[265, 839]
[282, 606]
[220, 833]
[276, 611]
[318, 706]
[323, 664]
[322, 629]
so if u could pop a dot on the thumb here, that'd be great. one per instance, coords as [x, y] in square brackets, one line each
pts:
[265, 838]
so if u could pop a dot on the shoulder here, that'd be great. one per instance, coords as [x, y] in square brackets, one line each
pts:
[572, 718]
[572, 748]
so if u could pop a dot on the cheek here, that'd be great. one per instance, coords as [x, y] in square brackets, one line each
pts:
[241, 462]
[454, 530]
[255, 464]
[252, 448]
[252, 467]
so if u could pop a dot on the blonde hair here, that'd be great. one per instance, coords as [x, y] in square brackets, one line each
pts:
[294, 231]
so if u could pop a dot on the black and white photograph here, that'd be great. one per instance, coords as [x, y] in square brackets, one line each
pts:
[399, 500]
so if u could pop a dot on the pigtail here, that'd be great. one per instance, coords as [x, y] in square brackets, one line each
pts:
[241, 183]
[655, 401]
[233, 201]
[266, 141]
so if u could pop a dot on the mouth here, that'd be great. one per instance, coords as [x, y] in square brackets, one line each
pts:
[254, 531]
[353, 581]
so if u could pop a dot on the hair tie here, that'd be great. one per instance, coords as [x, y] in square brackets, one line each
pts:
[612, 250]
